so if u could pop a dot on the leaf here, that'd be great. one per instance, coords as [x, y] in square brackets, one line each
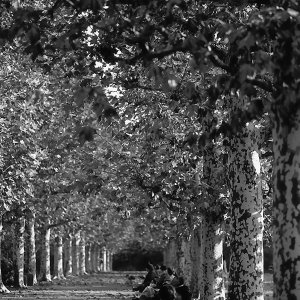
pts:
[247, 42]
[246, 71]
[86, 134]
[81, 95]
[248, 90]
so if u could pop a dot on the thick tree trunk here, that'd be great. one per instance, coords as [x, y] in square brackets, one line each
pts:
[108, 257]
[111, 255]
[75, 253]
[101, 255]
[88, 258]
[104, 258]
[94, 258]
[82, 254]
[286, 212]
[170, 259]
[212, 261]
[20, 230]
[3, 288]
[68, 257]
[58, 257]
[183, 257]
[246, 260]
[196, 260]
[45, 259]
[32, 278]
[211, 272]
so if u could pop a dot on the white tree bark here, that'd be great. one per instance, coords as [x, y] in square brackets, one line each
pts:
[184, 258]
[45, 259]
[286, 204]
[111, 255]
[20, 230]
[246, 271]
[68, 257]
[196, 260]
[88, 258]
[58, 256]
[3, 288]
[171, 259]
[94, 258]
[76, 253]
[212, 261]
[108, 257]
[104, 258]
[32, 254]
[82, 253]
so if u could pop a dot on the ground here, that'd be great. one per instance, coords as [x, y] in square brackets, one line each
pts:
[103, 286]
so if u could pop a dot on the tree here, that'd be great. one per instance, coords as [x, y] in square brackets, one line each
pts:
[254, 56]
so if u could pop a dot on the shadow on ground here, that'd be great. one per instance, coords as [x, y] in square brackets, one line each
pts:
[103, 286]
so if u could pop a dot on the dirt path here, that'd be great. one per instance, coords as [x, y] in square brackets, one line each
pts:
[104, 286]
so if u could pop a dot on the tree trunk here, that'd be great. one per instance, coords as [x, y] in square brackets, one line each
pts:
[94, 258]
[183, 257]
[82, 254]
[196, 260]
[45, 259]
[246, 260]
[171, 260]
[286, 210]
[108, 260]
[212, 261]
[211, 271]
[68, 257]
[75, 253]
[20, 230]
[32, 278]
[58, 257]
[3, 288]
[55, 259]
[104, 258]
[111, 256]
[88, 258]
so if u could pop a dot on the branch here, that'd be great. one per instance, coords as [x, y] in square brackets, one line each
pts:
[58, 224]
[265, 85]
[152, 55]
[218, 63]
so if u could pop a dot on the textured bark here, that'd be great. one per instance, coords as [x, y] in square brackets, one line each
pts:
[94, 258]
[68, 257]
[212, 261]
[183, 250]
[211, 269]
[58, 257]
[32, 254]
[75, 254]
[45, 259]
[88, 258]
[108, 257]
[170, 259]
[184, 259]
[196, 260]
[82, 254]
[104, 258]
[111, 255]
[3, 288]
[55, 259]
[246, 261]
[20, 230]
[286, 211]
